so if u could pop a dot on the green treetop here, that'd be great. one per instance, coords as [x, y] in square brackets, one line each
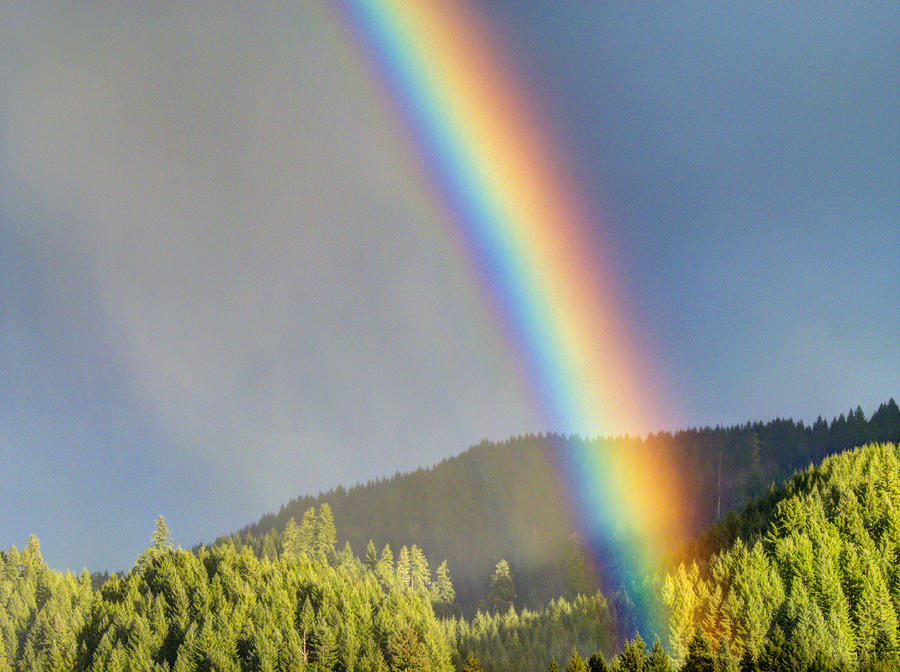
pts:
[162, 538]
[290, 542]
[575, 663]
[700, 656]
[502, 592]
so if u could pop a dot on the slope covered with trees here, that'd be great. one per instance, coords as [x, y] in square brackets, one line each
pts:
[506, 501]
[529, 640]
[814, 565]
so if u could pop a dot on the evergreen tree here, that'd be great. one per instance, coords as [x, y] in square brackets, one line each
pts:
[575, 663]
[502, 591]
[161, 539]
[404, 570]
[553, 667]
[657, 661]
[306, 627]
[443, 593]
[597, 663]
[748, 662]
[699, 657]
[725, 662]
[325, 536]
[371, 558]
[633, 656]
[776, 654]
[308, 525]
[384, 570]
[290, 540]
[419, 574]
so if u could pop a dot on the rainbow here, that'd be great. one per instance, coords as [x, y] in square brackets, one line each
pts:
[534, 245]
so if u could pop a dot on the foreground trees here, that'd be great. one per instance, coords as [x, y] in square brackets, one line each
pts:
[811, 573]
[224, 609]
[41, 611]
[218, 609]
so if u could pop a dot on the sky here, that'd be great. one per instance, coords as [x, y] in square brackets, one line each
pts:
[223, 282]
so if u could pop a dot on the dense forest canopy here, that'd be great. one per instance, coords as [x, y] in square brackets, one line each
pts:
[815, 561]
[312, 608]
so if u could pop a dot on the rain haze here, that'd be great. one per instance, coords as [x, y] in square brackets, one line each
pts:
[225, 280]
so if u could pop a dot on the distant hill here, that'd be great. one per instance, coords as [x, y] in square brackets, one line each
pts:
[505, 501]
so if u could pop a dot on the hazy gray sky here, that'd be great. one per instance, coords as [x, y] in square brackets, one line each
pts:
[223, 282]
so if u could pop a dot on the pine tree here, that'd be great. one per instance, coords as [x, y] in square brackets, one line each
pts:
[597, 663]
[371, 558]
[290, 540]
[633, 656]
[877, 621]
[325, 644]
[502, 591]
[442, 589]
[403, 568]
[387, 576]
[748, 662]
[553, 667]
[161, 539]
[725, 662]
[575, 663]
[326, 536]
[657, 661]
[419, 574]
[308, 526]
[699, 657]
[306, 626]
[407, 650]
[776, 654]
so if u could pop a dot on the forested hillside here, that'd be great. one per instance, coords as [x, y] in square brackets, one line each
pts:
[528, 640]
[506, 501]
[815, 562]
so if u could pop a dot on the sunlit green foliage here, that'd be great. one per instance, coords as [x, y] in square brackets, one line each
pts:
[818, 581]
[41, 611]
[223, 609]
[805, 579]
